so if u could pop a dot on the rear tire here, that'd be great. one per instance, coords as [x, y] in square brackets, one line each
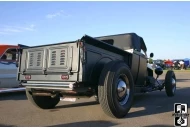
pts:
[170, 83]
[43, 102]
[116, 89]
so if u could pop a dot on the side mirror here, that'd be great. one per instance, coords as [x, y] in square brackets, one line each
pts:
[151, 55]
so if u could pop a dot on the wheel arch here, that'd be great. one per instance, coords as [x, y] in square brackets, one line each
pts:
[107, 79]
[97, 69]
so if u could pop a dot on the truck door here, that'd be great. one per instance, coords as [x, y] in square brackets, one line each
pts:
[139, 66]
[142, 69]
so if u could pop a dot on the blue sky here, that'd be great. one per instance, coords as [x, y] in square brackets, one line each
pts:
[165, 26]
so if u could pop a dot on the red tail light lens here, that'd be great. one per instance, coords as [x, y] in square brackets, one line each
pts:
[64, 77]
[27, 77]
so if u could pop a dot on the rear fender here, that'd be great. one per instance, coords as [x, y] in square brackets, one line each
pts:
[98, 69]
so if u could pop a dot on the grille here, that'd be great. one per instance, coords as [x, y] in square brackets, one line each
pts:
[62, 57]
[35, 59]
[57, 58]
[39, 57]
[53, 58]
[31, 59]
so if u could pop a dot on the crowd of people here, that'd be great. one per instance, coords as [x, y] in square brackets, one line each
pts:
[179, 65]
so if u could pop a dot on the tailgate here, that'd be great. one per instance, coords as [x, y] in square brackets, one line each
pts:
[46, 62]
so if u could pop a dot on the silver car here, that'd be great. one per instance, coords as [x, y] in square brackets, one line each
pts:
[8, 69]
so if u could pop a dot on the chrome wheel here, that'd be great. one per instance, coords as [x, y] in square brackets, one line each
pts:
[173, 85]
[123, 90]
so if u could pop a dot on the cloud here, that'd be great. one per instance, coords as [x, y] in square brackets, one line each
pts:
[16, 29]
[29, 28]
[56, 14]
[11, 30]
[3, 32]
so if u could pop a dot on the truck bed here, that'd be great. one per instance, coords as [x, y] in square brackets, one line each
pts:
[64, 64]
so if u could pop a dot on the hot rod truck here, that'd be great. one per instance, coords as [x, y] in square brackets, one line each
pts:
[112, 68]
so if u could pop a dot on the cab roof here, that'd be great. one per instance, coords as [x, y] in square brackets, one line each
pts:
[125, 41]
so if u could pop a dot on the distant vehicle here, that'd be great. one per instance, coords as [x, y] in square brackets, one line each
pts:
[185, 66]
[168, 63]
[160, 63]
[112, 68]
[176, 65]
[8, 69]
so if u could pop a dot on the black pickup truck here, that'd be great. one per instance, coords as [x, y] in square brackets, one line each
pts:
[111, 68]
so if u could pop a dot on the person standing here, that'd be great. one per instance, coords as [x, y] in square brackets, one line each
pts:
[181, 64]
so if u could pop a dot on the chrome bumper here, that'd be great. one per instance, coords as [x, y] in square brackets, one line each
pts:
[50, 85]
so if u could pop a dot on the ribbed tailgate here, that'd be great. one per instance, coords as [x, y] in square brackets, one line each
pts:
[50, 59]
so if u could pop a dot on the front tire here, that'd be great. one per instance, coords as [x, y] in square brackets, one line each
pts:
[170, 83]
[43, 102]
[116, 89]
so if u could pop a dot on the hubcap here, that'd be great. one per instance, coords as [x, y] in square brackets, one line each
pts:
[121, 88]
[173, 85]
[122, 91]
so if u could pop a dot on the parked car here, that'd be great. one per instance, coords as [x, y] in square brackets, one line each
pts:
[112, 68]
[8, 69]
[160, 63]
[168, 63]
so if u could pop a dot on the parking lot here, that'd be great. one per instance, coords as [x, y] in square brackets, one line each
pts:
[150, 109]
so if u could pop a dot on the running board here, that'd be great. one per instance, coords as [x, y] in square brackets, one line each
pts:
[12, 90]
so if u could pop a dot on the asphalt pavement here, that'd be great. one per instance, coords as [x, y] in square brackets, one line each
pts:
[150, 109]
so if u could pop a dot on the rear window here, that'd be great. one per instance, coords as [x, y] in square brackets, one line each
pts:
[109, 41]
[10, 54]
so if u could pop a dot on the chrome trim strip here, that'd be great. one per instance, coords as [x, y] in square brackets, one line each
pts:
[57, 88]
